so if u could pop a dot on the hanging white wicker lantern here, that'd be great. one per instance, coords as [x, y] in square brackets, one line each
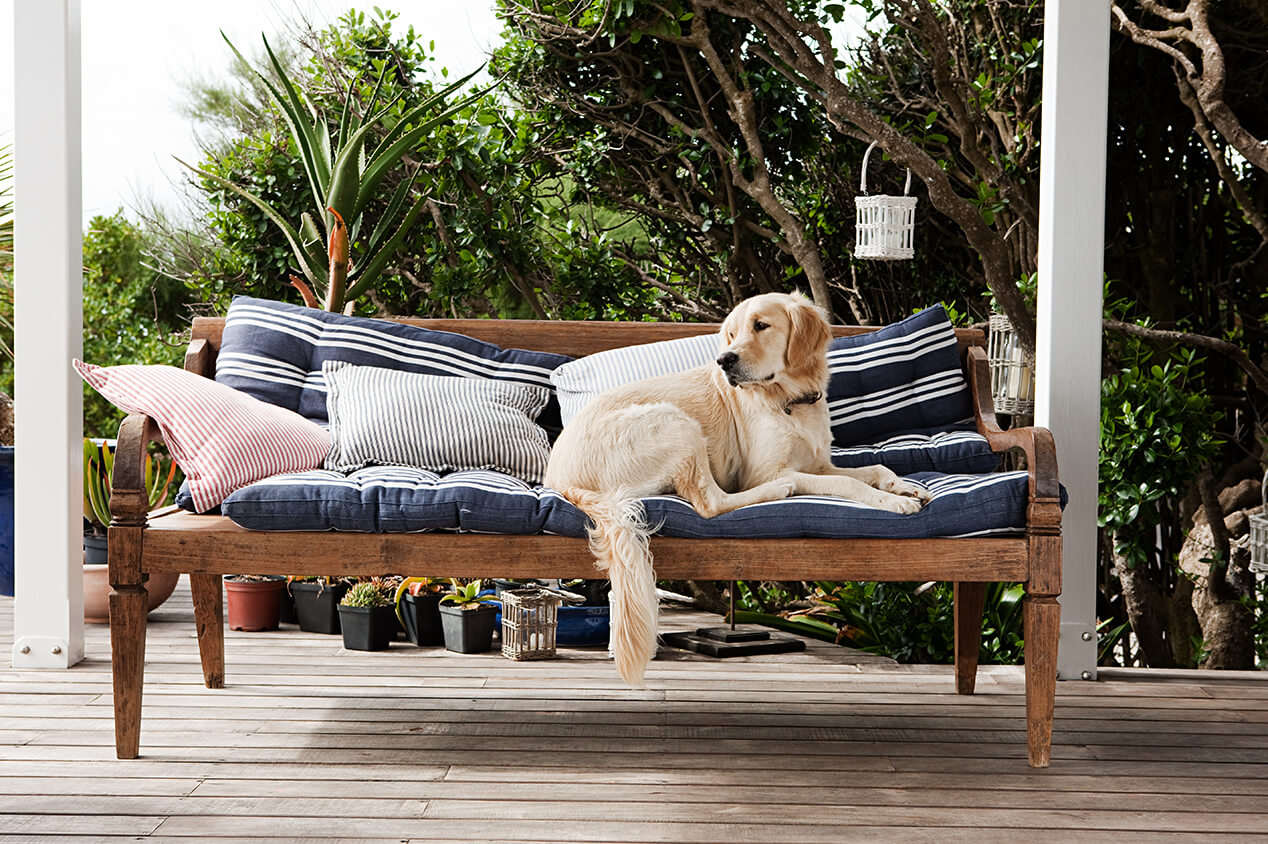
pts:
[1012, 381]
[1259, 534]
[884, 225]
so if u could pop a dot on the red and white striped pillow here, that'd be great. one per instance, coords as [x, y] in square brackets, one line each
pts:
[222, 438]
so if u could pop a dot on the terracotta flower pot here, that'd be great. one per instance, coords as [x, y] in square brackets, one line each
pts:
[97, 592]
[254, 605]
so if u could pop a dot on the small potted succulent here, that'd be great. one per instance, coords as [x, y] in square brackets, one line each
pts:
[418, 609]
[317, 602]
[367, 617]
[253, 602]
[468, 619]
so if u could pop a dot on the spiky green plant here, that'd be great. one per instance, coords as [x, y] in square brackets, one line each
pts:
[98, 471]
[366, 593]
[344, 173]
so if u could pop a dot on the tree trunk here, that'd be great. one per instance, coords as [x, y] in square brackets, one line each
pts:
[1165, 626]
[1226, 624]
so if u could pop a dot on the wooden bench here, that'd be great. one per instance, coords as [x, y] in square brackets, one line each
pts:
[209, 547]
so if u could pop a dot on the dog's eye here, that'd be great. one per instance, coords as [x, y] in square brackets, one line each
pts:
[758, 325]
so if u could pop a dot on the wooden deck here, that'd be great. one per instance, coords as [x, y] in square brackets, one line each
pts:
[312, 742]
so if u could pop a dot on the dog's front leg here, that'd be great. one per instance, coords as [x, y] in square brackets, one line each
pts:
[846, 486]
[882, 478]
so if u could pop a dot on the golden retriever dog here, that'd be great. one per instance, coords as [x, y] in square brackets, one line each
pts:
[751, 428]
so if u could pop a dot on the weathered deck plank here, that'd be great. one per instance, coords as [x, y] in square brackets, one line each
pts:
[309, 742]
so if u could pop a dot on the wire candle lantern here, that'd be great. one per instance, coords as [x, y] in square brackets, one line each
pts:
[884, 225]
[530, 619]
[1012, 381]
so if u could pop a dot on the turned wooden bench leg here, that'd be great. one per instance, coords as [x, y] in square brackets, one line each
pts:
[1042, 631]
[968, 634]
[209, 615]
[128, 605]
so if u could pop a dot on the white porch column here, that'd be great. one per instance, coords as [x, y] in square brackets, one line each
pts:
[48, 615]
[1071, 247]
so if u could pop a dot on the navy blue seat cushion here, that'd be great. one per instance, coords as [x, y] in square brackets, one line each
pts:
[274, 351]
[403, 500]
[904, 378]
[951, 452]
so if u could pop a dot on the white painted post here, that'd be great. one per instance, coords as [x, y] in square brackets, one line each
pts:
[1071, 247]
[48, 614]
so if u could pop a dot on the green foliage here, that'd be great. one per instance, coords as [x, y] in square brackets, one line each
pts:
[99, 476]
[131, 312]
[365, 593]
[467, 596]
[909, 622]
[345, 162]
[1157, 435]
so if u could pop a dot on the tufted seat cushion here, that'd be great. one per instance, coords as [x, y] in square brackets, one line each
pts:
[393, 499]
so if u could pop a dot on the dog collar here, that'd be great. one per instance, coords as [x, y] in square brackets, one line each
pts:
[808, 398]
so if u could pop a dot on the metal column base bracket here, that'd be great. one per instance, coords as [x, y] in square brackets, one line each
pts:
[41, 652]
[722, 642]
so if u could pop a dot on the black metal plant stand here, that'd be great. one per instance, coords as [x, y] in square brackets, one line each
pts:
[741, 640]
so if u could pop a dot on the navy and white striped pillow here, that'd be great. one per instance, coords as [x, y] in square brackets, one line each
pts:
[387, 417]
[581, 380]
[275, 351]
[903, 378]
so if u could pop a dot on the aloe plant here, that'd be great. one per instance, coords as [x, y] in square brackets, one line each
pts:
[98, 472]
[345, 169]
[468, 597]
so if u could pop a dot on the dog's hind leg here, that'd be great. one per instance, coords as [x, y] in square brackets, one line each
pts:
[693, 480]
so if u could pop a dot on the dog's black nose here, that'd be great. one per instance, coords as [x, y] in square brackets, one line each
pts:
[728, 360]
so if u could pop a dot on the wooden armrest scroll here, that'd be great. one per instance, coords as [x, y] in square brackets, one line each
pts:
[198, 358]
[129, 499]
[1037, 443]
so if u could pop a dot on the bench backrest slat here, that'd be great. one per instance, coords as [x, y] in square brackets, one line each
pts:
[573, 338]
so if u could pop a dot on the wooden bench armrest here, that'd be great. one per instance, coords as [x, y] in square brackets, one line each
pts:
[129, 499]
[1043, 513]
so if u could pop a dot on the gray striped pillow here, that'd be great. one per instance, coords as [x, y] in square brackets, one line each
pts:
[578, 381]
[393, 418]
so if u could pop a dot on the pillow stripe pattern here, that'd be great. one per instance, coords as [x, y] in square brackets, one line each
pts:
[903, 378]
[581, 380]
[385, 416]
[954, 452]
[222, 439]
[275, 351]
[384, 499]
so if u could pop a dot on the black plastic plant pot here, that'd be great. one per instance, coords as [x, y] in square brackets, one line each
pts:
[317, 606]
[468, 631]
[288, 615]
[422, 619]
[367, 628]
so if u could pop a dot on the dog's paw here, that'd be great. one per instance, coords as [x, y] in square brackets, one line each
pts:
[906, 489]
[783, 487]
[901, 504]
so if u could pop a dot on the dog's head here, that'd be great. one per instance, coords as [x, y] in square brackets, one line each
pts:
[778, 340]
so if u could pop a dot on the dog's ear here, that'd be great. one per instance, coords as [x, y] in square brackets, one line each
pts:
[727, 332]
[808, 336]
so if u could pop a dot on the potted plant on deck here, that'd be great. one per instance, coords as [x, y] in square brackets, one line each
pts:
[253, 602]
[418, 609]
[367, 617]
[467, 619]
[317, 602]
[98, 472]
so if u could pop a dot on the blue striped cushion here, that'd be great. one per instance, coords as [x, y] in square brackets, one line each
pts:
[903, 378]
[581, 380]
[274, 351]
[404, 500]
[388, 417]
[953, 452]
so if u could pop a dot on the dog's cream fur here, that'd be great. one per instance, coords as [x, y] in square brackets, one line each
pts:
[722, 438]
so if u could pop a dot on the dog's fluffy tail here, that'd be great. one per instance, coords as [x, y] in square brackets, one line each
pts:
[618, 541]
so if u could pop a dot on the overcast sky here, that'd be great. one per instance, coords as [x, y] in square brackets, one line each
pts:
[137, 55]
